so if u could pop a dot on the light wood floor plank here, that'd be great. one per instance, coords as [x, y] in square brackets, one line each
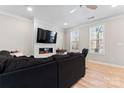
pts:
[101, 76]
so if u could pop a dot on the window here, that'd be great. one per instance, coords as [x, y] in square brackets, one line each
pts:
[97, 39]
[74, 41]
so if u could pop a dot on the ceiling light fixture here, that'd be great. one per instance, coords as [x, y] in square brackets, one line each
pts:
[114, 5]
[65, 24]
[29, 8]
[72, 11]
[92, 17]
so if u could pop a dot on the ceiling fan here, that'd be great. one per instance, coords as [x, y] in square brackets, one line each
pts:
[92, 7]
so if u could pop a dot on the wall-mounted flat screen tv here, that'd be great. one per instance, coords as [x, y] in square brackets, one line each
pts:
[46, 36]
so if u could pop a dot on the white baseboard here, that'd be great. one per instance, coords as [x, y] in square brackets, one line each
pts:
[103, 63]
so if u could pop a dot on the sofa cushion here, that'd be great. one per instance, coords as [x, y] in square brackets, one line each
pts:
[73, 54]
[3, 60]
[24, 62]
[60, 57]
[5, 53]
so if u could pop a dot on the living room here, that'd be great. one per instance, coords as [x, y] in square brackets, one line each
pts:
[82, 46]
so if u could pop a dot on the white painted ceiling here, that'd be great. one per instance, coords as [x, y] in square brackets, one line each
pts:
[59, 14]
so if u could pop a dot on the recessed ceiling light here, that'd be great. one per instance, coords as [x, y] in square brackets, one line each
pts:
[65, 24]
[72, 11]
[114, 5]
[29, 8]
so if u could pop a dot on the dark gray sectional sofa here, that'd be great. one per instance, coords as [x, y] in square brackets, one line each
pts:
[58, 71]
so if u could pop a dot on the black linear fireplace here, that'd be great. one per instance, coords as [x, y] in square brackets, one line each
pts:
[45, 50]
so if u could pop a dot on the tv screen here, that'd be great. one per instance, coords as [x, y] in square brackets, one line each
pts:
[46, 36]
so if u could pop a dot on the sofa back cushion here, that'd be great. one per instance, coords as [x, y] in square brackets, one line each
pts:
[60, 57]
[23, 62]
[73, 54]
[3, 60]
[5, 53]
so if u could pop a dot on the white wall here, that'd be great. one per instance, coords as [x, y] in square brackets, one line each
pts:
[15, 33]
[60, 36]
[114, 40]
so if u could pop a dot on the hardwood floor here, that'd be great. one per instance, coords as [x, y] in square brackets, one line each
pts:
[101, 76]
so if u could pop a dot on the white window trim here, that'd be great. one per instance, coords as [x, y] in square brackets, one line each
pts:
[71, 50]
[102, 54]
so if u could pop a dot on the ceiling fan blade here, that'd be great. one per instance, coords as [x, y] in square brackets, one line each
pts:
[93, 7]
